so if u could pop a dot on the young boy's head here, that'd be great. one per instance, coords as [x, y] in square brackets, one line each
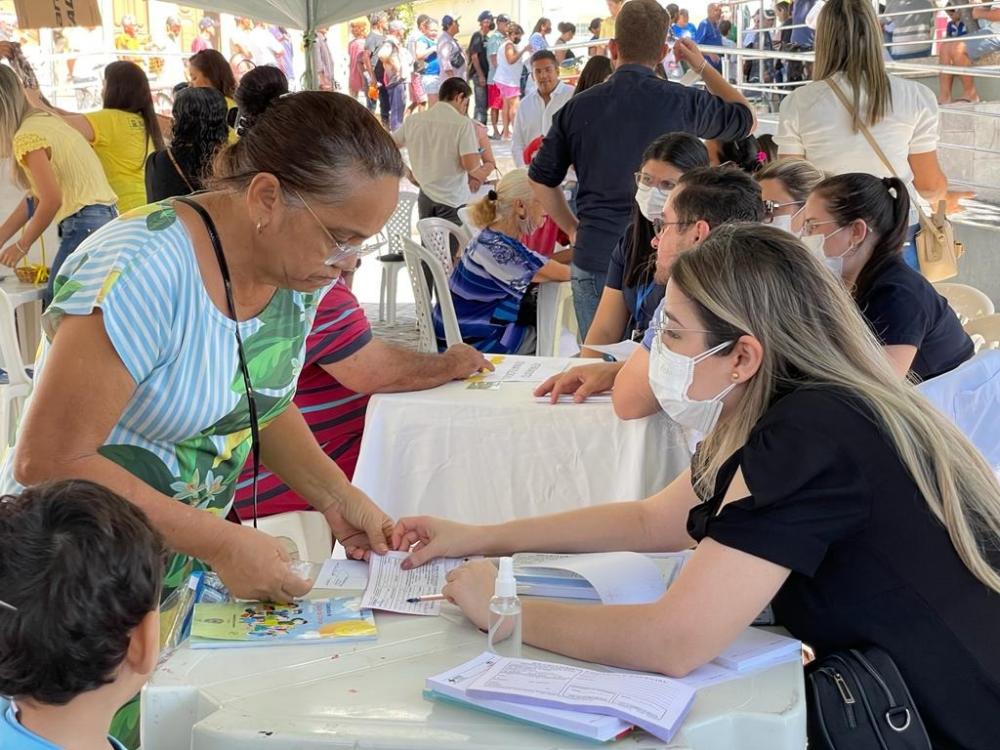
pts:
[83, 568]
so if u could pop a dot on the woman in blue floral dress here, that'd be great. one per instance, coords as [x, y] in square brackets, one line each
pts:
[139, 387]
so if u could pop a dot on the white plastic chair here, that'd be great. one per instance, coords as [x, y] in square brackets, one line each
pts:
[436, 234]
[416, 257]
[969, 396]
[15, 386]
[465, 215]
[968, 302]
[985, 331]
[307, 530]
[400, 225]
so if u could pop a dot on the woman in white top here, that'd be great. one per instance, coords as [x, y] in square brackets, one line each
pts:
[902, 115]
[510, 64]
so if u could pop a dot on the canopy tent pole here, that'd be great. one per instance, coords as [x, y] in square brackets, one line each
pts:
[309, 40]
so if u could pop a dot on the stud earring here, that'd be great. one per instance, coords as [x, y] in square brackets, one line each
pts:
[736, 376]
[260, 227]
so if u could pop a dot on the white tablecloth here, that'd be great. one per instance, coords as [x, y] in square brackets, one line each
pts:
[369, 695]
[485, 456]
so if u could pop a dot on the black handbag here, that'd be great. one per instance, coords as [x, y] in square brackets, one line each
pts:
[858, 701]
[457, 60]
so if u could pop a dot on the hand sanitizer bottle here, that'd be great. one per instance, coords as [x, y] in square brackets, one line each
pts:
[504, 635]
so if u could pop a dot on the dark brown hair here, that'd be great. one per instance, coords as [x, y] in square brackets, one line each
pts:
[881, 203]
[127, 88]
[596, 71]
[213, 65]
[316, 142]
[641, 32]
[83, 567]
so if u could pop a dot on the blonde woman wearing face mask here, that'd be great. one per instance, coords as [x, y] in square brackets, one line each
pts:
[785, 185]
[490, 283]
[856, 225]
[825, 485]
[630, 294]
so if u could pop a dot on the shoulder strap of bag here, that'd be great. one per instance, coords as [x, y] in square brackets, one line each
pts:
[925, 220]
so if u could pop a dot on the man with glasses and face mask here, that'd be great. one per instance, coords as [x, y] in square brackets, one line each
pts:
[534, 116]
[704, 199]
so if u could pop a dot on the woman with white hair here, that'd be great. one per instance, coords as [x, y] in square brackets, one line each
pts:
[490, 284]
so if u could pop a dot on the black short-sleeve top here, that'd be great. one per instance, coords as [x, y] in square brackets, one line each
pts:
[831, 500]
[903, 308]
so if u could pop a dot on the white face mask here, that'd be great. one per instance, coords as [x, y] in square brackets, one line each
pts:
[670, 376]
[651, 201]
[783, 222]
[816, 242]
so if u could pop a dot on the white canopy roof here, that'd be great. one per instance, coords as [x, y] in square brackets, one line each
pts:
[296, 14]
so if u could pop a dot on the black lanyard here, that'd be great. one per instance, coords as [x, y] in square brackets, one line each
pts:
[220, 257]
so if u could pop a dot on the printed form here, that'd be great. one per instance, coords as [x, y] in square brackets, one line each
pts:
[389, 586]
[657, 704]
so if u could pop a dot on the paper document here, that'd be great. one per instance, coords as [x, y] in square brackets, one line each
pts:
[620, 351]
[756, 648]
[512, 369]
[342, 574]
[567, 398]
[617, 577]
[452, 684]
[389, 586]
[657, 704]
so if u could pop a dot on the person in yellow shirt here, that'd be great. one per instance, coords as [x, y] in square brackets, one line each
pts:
[123, 133]
[60, 172]
[128, 39]
[210, 69]
[608, 24]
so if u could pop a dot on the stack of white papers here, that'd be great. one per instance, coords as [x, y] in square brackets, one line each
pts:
[451, 685]
[657, 704]
[756, 649]
[609, 577]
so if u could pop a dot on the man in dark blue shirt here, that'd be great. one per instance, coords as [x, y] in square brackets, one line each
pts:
[803, 36]
[603, 132]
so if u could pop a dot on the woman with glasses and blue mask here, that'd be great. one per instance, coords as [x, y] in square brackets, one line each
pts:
[785, 185]
[176, 336]
[818, 470]
[630, 294]
[856, 224]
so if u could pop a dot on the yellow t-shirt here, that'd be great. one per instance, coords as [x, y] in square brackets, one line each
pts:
[231, 104]
[608, 28]
[77, 168]
[122, 146]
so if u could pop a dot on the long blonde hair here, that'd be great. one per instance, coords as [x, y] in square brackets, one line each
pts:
[14, 110]
[849, 41]
[757, 280]
[499, 204]
[797, 176]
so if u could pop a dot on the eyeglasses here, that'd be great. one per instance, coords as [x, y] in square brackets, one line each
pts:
[809, 226]
[771, 206]
[343, 250]
[641, 178]
[659, 225]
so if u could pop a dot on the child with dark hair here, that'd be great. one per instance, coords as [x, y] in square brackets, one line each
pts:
[80, 572]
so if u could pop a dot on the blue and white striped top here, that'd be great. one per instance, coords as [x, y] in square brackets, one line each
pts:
[186, 429]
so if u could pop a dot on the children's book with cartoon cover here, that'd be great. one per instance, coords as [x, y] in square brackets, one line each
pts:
[234, 624]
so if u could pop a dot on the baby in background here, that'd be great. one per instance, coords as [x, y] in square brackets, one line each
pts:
[80, 576]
